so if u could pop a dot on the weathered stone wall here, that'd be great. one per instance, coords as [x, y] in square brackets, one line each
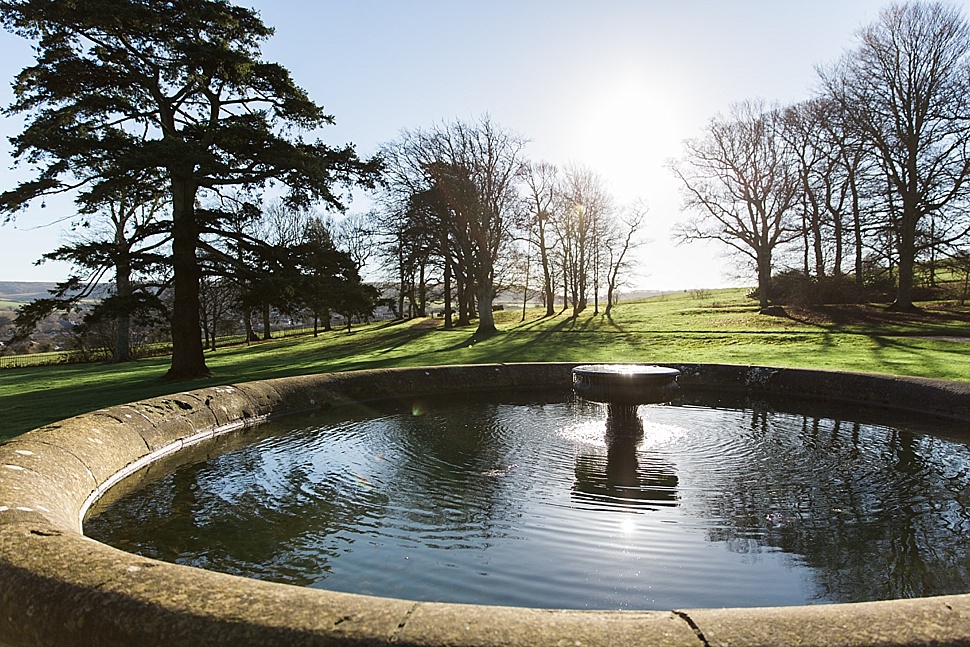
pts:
[58, 587]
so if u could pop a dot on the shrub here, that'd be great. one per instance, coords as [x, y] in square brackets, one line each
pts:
[796, 288]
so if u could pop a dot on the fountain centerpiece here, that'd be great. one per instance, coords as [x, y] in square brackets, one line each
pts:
[624, 387]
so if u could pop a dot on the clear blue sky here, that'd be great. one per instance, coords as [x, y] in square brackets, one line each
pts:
[616, 85]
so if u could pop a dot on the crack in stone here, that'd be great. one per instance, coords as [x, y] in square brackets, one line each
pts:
[693, 625]
[404, 620]
[46, 533]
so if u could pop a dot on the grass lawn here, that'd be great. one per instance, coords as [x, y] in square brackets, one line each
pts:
[718, 326]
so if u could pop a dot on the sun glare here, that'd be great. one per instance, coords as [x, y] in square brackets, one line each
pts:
[631, 122]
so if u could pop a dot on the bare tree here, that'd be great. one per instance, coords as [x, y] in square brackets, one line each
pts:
[621, 240]
[585, 206]
[803, 132]
[355, 234]
[741, 184]
[906, 88]
[850, 186]
[219, 299]
[542, 187]
[473, 169]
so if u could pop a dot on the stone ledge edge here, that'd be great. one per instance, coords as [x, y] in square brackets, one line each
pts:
[58, 587]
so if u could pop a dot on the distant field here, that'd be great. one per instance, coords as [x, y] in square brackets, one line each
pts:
[719, 326]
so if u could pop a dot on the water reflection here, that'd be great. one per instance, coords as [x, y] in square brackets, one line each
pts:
[621, 479]
[876, 513]
[528, 503]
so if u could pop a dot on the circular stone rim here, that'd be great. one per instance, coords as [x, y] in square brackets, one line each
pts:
[56, 584]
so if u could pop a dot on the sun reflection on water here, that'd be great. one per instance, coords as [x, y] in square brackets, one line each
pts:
[656, 435]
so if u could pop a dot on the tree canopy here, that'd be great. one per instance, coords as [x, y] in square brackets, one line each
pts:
[906, 89]
[739, 180]
[874, 167]
[120, 87]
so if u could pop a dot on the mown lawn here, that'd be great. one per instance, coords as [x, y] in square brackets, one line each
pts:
[718, 326]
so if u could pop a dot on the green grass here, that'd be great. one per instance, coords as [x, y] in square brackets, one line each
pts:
[719, 326]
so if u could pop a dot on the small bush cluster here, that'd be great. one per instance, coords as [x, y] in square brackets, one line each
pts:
[794, 287]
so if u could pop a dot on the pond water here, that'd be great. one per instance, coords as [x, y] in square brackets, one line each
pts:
[526, 502]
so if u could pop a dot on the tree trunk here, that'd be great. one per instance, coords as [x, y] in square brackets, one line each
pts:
[267, 331]
[446, 254]
[596, 273]
[248, 322]
[546, 274]
[764, 281]
[401, 275]
[906, 249]
[525, 290]
[122, 342]
[805, 243]
[188, 354]
[817, 244]
[610, 297]
[581, 281]
[486, 321]
[857, 233]
[838, 234]
[565, 289]
[462, 288]
[422, 306]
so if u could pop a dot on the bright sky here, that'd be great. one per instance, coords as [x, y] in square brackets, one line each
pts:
[615, 85]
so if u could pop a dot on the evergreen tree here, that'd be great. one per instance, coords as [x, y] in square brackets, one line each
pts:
[121, 87]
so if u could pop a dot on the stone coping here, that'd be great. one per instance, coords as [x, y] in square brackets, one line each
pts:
[58, 587]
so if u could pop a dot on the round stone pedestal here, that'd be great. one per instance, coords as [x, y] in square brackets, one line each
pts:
[625, 385]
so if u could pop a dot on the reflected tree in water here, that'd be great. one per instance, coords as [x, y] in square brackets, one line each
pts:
[857, 503]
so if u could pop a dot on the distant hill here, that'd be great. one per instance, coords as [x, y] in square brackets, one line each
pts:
[641, 294]
[19, 292]
[24, 291]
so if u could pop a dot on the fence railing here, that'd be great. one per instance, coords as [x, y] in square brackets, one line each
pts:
[101, 354]
[49, 359]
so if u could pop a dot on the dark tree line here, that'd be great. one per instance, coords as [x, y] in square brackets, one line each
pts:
[868, 177]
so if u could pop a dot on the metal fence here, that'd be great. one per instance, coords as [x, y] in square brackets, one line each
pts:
[48, 359]
[147, 350]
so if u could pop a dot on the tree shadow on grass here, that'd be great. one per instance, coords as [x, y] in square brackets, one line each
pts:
[568, 323]
[895, 354]
[872, 320]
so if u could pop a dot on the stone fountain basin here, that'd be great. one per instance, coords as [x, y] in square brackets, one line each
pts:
[58, 587]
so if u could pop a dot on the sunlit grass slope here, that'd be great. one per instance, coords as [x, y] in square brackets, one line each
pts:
[719, 326]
